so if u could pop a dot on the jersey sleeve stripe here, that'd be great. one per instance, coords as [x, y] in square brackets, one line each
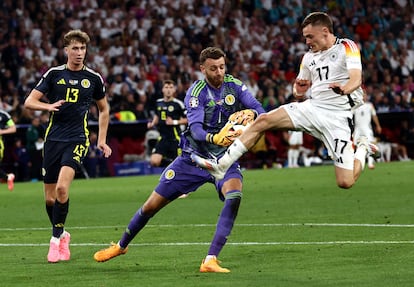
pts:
[197, 88]
[351, 49]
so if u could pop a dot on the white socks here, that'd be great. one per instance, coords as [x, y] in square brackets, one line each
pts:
[361, 155]
[233, 153]
[293, 156]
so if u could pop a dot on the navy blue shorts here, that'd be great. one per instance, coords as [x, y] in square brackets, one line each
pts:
[169, 148]
[58, 154]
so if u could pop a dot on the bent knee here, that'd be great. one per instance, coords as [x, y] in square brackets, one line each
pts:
[345, 184]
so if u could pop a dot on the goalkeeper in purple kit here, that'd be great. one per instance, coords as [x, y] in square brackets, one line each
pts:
[214, 105]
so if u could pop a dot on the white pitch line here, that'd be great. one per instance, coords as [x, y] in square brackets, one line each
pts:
[212, 225]
[360, 242]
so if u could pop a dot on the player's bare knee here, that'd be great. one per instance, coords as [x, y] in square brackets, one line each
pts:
[345, 184]
[262, 119]
[61, 191]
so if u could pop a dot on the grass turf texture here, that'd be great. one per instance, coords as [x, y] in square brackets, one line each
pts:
[295, 228]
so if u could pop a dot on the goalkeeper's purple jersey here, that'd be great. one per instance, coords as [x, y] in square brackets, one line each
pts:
[212, 107]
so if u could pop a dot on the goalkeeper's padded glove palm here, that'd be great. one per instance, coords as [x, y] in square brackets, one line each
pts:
[225, 136]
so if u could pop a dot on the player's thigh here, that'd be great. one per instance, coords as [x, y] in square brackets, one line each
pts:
[66, 176]
[275, 119]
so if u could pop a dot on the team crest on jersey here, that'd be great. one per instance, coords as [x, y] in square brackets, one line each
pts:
[193, 102]
[169, 174]
[229, 100]
[85, 83]
[291, 106]
[333, 57]
[170, 108]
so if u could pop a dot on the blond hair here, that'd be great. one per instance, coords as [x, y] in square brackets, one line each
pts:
[75, 35]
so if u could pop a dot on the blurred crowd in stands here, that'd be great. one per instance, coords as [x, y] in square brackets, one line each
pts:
[136, 45]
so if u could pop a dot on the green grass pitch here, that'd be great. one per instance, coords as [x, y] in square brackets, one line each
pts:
[295, 228]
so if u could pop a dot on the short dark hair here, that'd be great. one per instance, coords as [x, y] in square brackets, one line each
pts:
[168, 82]
[318, 18]
[211, 53]
[75, 35]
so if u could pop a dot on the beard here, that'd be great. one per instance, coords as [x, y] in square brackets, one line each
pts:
[215, 81]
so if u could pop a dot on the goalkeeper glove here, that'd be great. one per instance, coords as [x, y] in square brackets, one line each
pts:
[242, 117]
[225, 136]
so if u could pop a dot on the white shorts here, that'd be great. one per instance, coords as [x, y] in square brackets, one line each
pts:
[333, 128]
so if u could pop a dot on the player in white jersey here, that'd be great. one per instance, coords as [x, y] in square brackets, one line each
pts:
[363, 117]
[331, 74]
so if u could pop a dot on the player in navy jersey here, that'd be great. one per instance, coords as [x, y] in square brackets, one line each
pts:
[332, 71]
[69, 89]
[209, 103]
[170, 115]
[7, 126]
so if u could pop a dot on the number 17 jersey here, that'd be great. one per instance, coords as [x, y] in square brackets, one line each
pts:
[331, 66]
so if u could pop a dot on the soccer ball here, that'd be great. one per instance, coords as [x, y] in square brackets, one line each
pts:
[240, 127]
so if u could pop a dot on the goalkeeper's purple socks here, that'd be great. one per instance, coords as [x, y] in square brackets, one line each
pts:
[226, 221]
[138, 221]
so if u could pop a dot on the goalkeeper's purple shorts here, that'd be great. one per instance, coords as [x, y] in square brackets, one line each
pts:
[183, 176]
